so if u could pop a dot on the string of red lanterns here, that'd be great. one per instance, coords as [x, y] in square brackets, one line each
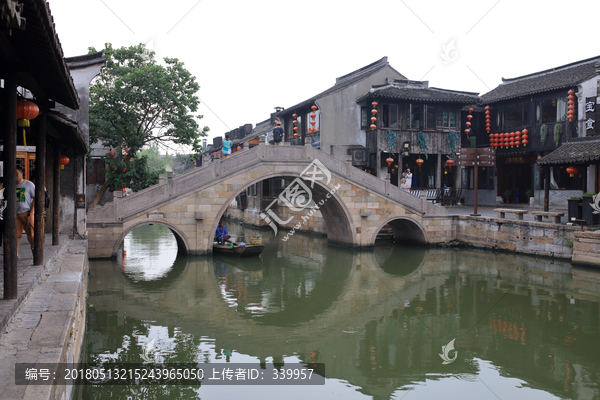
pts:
[313, 122]
[374, 118]
[571, 105]
[525, 139]
[295, 122]
[468, 123]
[488, 126]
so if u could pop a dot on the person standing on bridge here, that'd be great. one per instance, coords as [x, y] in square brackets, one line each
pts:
[222, 233]
[227, 147]
[278, 134]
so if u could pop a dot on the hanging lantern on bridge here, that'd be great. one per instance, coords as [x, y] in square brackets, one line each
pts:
[26, 110]
[389, 162]
[572, 171]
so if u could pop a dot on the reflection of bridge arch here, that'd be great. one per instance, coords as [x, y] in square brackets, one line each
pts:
[183, 245]
[405, 228]
[335, 213]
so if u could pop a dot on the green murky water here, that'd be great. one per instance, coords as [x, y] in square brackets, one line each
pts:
[524, 327]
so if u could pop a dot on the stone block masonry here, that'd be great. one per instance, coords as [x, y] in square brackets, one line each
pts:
[586, 249]
[537, 238]
[49, 326]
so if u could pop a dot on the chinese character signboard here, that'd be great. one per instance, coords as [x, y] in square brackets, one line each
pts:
[590, 115]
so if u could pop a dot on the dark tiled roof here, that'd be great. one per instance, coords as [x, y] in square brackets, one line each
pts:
[342, 82]
[581, 152]
[86, 60]
[421, 94]
[563, 77]
[38, 51]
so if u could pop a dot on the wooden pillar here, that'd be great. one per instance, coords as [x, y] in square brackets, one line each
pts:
[10, 183]
[439, 172]
[40, 184]
[546, 187]
[56, 196]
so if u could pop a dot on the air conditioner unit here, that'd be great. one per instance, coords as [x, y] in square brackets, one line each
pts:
[360, 157]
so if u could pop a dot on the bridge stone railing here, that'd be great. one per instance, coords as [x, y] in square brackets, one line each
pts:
[278, 156]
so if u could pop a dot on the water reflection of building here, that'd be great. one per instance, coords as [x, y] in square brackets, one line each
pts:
[532, 320]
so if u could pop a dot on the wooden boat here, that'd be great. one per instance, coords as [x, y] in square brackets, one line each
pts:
[248, 250]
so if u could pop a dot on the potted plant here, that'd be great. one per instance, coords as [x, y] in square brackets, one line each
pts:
[506, 195]
[587, 210]
[574, 207]
[529, 195]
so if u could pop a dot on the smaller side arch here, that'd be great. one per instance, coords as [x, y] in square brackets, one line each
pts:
[405, 228]
[183, 245]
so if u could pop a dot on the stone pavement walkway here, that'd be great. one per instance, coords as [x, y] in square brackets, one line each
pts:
[47, 326]
[28, 274]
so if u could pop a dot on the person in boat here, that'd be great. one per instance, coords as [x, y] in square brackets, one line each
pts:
[222, 233]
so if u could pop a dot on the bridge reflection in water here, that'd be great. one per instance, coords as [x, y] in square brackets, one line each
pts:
[526, 327]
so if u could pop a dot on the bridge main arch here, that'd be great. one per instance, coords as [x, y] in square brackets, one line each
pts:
[183, 244]
[341, 229]
[405, 228]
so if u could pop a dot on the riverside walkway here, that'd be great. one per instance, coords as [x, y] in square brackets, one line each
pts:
[46, 323]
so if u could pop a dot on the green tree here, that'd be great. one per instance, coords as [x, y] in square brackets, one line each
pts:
[155, 162]
[136, 102]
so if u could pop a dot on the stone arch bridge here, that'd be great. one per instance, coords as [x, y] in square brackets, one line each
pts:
[354, 204]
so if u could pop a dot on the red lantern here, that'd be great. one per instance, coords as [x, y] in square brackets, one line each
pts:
[419, 162]
[518, 142]
[374, 104]
[525, 137]
[296, 135]
[468, 123]
[313, 115]
[469, 116]
[64, 160]
[111, 153]
[467, 131]
[313, 122]
[487, 108]
[389, 161]
[450, 162]
[572, 171]
[571, 107]
[470, 109]
[294, 115]
[239, 148]
[295, 122]
[313, 108]
[512, 143]
[373, 126]
[525, 141]
[373, 119]
[525, 131]
[487, 125]
[374, 111]
[312, 130]
[212, 154]
[571, 92]
[27, 110]
[295, 129]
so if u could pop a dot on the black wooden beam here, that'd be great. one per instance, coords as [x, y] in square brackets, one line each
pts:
[40, 184]
[10, 182]
[56, 196]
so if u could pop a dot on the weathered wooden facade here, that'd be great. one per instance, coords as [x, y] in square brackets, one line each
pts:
[538, 102]
[414, 121]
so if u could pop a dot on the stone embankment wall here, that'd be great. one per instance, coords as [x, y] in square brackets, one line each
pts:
[538, 238]
[586, 248]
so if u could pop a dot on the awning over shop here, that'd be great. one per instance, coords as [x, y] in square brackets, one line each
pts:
[580, 152]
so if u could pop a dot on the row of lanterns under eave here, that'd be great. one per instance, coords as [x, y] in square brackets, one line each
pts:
[26, 111]
[511, 139]
[313, 122]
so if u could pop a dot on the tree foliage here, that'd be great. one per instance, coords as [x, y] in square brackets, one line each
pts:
[137, 102]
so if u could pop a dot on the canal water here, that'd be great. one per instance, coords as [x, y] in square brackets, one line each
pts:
[523, 327]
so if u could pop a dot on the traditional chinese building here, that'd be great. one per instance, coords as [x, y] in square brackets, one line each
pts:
[538, 105]
[415, 126]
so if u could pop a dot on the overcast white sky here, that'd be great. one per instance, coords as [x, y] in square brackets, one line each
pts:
[251, 56]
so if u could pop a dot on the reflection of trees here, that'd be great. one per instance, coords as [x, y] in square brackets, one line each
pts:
[129, 350]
